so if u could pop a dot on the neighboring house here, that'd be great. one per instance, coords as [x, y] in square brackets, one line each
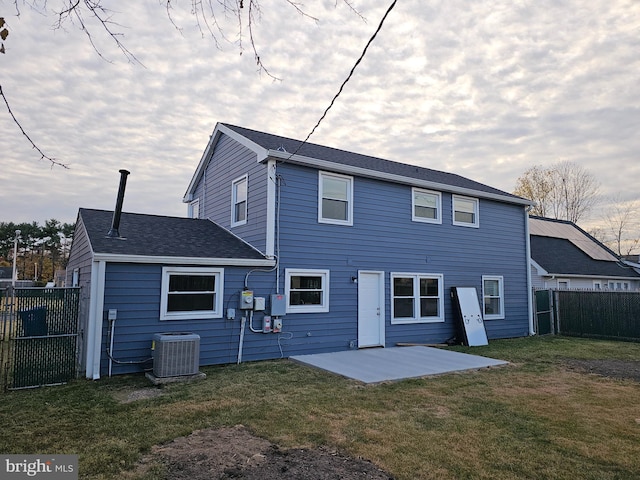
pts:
[348, 251]
[563, 256]
[6, 276]
[633, 261]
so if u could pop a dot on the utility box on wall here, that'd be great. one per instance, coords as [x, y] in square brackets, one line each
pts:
[278, 305]
[175, 354]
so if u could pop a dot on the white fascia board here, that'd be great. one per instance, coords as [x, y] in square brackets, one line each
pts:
[540, 271]
[365, 172]
[220, 129]
[591, 277]
[226, 262]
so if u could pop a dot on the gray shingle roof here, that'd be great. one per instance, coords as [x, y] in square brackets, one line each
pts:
[560, 256]
[159, 236]
[275, 142]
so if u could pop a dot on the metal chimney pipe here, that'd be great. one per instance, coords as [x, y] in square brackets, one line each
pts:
[115, 222]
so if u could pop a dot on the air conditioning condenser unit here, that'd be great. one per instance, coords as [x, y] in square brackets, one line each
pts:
[175, 354]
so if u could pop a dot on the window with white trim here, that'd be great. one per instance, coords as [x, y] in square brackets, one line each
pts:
[194, 209]
[426, 206]
[618, 285]
[335, 199]
[564, 284]
[465, 211]
[75, 278]
[492, 297]
[417, 298]
[307, 290]
[597, 285]
[191, 293]
[239, 201]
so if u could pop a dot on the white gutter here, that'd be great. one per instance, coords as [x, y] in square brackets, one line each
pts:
[227, 262]
[94, 329]
[389, 177]
[590, 277]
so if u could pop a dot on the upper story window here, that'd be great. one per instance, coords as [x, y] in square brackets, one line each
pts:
[417, 298]
[191, 292]
[493, 297]
[239, 201]
[426, 206]
[307, 290]
[194, 209]
[335, 199]
[465, 211]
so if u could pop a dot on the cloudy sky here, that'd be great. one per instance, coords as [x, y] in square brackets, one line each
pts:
[484, 89]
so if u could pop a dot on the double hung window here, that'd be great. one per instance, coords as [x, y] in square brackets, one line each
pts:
[465, 211]
[307, 290]
[191, 293]
[417, 298]
[492, 297]
[239, 201]
[335, 199]
[426, 206]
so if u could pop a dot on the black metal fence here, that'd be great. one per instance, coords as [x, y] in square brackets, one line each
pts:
[596, 314]
[39, 336]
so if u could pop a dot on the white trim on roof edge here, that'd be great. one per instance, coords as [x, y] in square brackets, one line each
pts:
[590, 277]
[227, 262]
[365, 172]
[260, 152]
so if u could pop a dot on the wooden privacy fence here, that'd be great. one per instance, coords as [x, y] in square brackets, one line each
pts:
[38, 336]
[597, 314]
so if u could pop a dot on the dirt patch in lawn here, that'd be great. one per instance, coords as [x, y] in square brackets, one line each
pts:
[619, 369]
[235, 453]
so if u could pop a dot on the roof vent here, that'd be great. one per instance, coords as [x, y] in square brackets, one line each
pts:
[281, 149]
[115, 222]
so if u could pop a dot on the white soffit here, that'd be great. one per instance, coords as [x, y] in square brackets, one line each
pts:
[567, 231]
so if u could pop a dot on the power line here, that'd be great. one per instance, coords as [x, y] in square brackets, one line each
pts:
[393, 4]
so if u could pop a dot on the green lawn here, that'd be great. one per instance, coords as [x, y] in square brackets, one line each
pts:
[533, 419]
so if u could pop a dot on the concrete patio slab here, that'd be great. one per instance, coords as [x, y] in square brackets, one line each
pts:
[396, 363]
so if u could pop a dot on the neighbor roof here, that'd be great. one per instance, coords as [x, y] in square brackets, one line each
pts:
[160, 236]
[548, 227]
[559, 256]
[563, 248]
[283, 148]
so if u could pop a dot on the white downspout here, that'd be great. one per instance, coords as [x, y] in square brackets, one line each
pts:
[529, 284]
[270, 246]
[94, 329]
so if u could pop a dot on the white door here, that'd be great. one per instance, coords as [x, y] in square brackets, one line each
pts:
[370, 309]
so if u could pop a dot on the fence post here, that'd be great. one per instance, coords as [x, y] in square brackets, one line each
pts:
[555, 313]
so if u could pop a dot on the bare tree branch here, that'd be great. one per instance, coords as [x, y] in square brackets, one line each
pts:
[622, 232]
[75, 14]
[564, 191]
[43, 156]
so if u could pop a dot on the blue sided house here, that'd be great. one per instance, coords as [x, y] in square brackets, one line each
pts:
[294, 248]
